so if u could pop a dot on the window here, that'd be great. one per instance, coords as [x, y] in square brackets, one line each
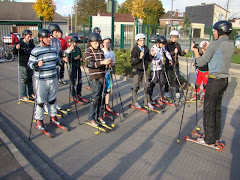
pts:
[220, 17]
[180, 14]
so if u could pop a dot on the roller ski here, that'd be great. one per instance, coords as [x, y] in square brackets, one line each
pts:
[201, 141]
[151, 108]
[164, 101]
[26, 99]
[56, 122]
[66, 112]
[41, 127]
[138, 107]
[103, 124]
[107, 116]
[93, 124]
[77, 101]
[157, 104]
[108, 109]
[195, 134]
[80, 98]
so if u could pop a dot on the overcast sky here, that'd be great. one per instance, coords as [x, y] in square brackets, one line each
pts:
[64, 6]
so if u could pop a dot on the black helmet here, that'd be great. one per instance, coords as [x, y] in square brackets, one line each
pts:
[26, 31]
[223, 27]
[60, 31]
[44, 33]
[54, 27]
[75, 39]
[96, 30]
[162, 39]
[94, 37]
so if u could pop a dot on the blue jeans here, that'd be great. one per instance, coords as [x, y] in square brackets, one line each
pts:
[25, 81]
[95, 107]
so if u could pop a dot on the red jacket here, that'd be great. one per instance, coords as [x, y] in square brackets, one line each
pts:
[63, 43]
[14, 39]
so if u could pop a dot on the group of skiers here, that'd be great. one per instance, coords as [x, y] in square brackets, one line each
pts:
[41, 63]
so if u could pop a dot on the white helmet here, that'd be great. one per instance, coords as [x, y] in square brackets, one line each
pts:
[203, 43]
[140, 36]
[174, 33]
[107, 37]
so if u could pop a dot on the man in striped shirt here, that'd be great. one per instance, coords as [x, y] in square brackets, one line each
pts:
[43, 60]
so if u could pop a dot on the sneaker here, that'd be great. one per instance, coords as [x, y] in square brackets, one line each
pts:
[58, 107]
[25, 98]
[108, 108]
[32, 96]
[202, 141]
[101, 120]
[137, 105]
[40, 125]
[62, 81]
[150, 106]
[92, 122]
[167, 94]
[54, 120]
[178, 95]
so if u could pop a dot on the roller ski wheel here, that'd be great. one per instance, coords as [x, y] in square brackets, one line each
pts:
[96, 127]
[55, 121]
[140, 109]
[218, 147]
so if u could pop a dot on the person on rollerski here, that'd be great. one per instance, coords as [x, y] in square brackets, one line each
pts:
[156, 75]
[140, 58]
[43, 60]
[74, 56]
[96, 63]
[108, 54]
[202, 75]
[24, 47]
[218, 56]
[175, 50]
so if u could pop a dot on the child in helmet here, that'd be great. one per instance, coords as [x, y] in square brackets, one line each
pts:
[109, 54]
[74, 56]
[97, 65]
[140, 58]
[175, 50]
[25, 46]
[44, 60]
[156, 77]
[202, 73]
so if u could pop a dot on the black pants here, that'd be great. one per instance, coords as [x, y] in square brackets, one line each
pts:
[172, 77]
[76, 75]
[62, 71]
[156, 78]
[212, 109]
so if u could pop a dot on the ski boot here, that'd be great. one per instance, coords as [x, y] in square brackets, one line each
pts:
[40, 126]
[56, 122]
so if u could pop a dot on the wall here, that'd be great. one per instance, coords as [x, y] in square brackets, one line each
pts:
[219, 14]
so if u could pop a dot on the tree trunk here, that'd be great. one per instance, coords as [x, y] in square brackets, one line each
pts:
[133, 33]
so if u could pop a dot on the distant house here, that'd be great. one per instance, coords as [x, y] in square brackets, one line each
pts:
[235, 22]
[176, 17]
[206, 14]
[104, 21]
[17, 16]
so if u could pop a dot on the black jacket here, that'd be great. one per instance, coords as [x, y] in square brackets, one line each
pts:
[24, 52]
[170, 46]
[136, 62]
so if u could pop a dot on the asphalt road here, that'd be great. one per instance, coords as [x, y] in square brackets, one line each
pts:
[138, 148]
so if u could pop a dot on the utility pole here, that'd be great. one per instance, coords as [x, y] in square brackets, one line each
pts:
[228, 1]
[71, 20]
[171, 13]
[75, 15]
[112, 23]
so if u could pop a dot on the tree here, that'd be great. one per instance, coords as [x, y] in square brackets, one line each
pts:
[186, 25]
[45, 9]
[153, 10]
[86, 8]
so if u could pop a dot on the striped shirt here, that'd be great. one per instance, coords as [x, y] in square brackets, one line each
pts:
[50, 59]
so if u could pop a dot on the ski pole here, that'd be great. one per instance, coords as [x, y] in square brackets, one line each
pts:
[18, 79]
[197, 128]
[69, 94]
[35, 102]
[145, 79]
[119, 95]
[86, 77]
[111, 82]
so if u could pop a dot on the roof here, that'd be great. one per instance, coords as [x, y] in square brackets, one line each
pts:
[119, 17]
[175, 16]
[213, 4]
[22, 11]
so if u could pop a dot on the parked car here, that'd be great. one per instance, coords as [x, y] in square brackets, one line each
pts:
[8, 39]
[80, 35]
[237, 40]
[153, 38]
